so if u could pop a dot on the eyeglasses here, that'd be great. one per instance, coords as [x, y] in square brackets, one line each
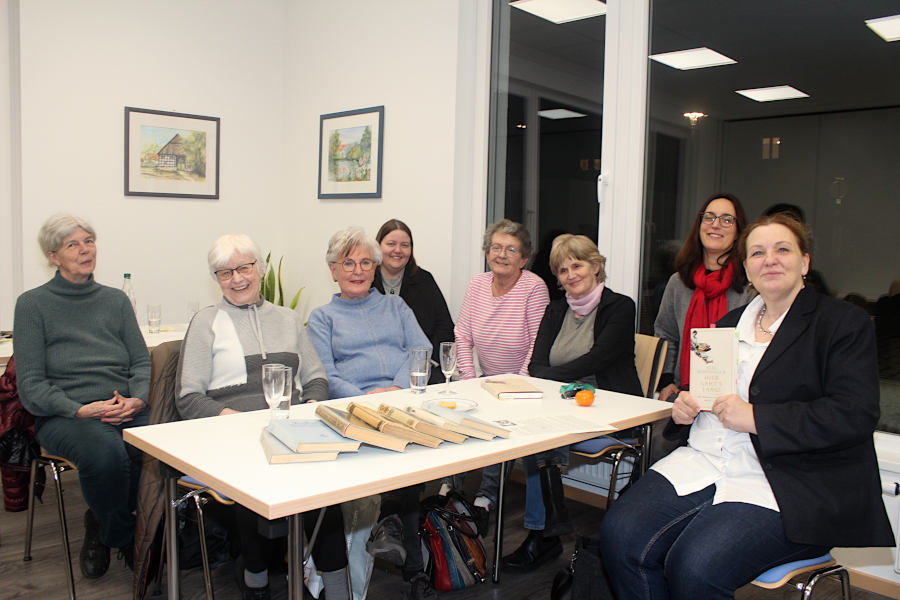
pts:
[349, 265]
[227, 274]
[498, 249]
[725, 220]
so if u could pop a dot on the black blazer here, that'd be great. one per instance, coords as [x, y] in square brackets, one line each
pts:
[815, 400]
[610, 359]
[424, 297]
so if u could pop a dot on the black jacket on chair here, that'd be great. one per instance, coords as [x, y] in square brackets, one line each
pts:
[610, 359]
[815, 400]
[421, 293]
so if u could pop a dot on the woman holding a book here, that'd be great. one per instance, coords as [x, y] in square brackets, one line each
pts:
[588, 337]
[364, 338]
[399, 275]
[220, 373]
[754, 487]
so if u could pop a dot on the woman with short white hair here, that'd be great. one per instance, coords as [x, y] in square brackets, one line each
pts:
[220, 373]
[84, 372]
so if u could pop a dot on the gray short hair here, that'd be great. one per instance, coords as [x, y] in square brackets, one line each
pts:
[230, 244]
[578, 247]
[345, 240]
[512, 228]
[57, 228]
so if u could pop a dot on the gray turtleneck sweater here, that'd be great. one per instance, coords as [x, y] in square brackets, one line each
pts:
[77, 343]
[223, 353]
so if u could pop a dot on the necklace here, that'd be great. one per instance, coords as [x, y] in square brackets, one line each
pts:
[759, 319]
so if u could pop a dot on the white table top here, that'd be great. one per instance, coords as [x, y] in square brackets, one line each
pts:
[225, 453]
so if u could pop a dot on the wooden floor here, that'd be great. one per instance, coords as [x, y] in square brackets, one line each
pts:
[44, 576]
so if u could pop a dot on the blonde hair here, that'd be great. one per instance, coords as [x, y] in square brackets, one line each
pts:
[345, 240]
[579, 247]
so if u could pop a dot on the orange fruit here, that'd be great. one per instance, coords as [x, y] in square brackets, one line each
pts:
[584, 398]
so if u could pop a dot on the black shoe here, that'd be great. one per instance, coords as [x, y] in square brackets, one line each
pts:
[126, 553]
[481, 518]
[94, 556]
[420, 589]
[536, 549]
[386, 540]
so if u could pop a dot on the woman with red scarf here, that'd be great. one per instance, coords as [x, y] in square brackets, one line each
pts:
[707, 283]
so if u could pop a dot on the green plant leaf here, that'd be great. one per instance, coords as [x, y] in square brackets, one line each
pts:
[296, 299]
[280, 287]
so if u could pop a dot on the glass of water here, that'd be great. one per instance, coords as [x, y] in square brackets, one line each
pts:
[448, 363]
[154, 317]
[419, 364]
[273, 385]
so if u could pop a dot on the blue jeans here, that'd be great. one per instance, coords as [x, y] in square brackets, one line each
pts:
[108, 469]
[535, 511]
[490, 482]
[656, 544]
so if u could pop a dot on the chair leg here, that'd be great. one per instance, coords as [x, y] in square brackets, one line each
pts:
[30, 520]
[207, 578]
[613, 479]
[63, 527]
[833, 571]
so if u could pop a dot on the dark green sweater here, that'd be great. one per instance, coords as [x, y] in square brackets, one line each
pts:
[75, 344]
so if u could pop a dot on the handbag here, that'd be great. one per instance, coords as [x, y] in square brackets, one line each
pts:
[457, 558]
[584, 578]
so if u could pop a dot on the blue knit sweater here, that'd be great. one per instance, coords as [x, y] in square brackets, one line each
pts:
[364, 344]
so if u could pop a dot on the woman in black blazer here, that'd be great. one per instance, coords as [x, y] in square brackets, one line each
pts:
[784, 469]
[416, 286]
[588, 336]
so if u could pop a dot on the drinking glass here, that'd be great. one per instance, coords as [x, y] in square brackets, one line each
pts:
[273, 384]
[283, 408]
[448, 363]
[154, 317]
[418, 369]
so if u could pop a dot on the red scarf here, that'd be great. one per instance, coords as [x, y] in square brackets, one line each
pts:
[708, 304]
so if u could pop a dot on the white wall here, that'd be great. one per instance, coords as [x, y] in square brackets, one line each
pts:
[268, 70]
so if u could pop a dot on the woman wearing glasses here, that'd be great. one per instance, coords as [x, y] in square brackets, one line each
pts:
[499, 319]
[220, 373]
[707, 283]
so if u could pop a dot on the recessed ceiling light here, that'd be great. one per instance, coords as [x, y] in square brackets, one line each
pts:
[560, 113]
[768, 94]
[695, 58]
[562, 11]
[887, 27]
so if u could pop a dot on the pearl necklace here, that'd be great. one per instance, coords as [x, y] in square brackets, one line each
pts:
[759, 319]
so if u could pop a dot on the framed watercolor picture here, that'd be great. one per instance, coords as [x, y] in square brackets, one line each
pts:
[171, 154]
[350, 153]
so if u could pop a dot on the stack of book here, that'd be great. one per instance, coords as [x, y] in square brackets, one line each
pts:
[303, 440]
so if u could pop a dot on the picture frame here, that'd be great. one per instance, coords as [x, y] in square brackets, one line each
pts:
[351, 153]
[169, 154]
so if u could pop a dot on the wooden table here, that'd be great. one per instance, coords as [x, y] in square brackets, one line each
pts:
[224, 452]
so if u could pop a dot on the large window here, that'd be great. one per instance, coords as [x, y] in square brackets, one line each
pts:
[833, 152]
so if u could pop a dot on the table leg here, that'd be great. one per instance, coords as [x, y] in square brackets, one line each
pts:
[498, 529]
[171, 540]
[645, 455]
[295, 557]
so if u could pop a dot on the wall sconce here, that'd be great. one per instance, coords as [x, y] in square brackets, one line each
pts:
[694, 117]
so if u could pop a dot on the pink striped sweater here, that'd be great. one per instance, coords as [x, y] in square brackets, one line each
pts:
[501, 330]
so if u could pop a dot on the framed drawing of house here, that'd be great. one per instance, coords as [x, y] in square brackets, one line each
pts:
[171, 154]
[350, 153]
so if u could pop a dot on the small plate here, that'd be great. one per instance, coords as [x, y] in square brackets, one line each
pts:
[458, 404]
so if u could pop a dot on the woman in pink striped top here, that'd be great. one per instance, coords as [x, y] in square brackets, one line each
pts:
[499, 319]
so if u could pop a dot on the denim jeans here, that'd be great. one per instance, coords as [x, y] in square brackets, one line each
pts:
[108, 469]
[656, 544]
[490, 482]
[535, 511]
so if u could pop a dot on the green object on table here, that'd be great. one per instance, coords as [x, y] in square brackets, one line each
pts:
[570, 389]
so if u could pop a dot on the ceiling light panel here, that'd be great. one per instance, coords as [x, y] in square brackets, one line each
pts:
[695, 58]
[769, 94]
[562, 11]
[887, 27]
[560, 113]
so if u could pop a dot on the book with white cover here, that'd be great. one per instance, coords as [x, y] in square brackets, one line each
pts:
[714, 360]
[310, 435]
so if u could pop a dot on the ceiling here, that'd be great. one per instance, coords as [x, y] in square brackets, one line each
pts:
[821, 47]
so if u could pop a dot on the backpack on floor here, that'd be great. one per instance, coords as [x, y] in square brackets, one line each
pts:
[457, 558]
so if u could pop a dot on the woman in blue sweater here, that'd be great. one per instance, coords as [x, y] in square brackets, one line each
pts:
[84, 372]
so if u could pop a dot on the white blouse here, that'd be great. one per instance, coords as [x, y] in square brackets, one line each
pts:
[718, 455]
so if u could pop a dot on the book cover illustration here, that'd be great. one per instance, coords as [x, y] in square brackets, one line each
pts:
[714, 355]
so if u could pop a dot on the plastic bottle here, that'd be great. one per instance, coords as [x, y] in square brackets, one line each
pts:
[129, 291]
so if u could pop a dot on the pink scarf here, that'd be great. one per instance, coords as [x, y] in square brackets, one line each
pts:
[584, 305]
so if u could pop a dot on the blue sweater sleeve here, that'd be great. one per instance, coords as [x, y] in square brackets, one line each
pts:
[320, 329]
[413, 337]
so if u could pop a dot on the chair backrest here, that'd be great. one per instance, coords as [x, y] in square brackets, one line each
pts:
[649, 354]
[163, 367]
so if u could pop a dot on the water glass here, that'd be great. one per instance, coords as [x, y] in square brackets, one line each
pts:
[419, 365]
[282, 410]
[273, 385]
[448, 363]
[154, 317]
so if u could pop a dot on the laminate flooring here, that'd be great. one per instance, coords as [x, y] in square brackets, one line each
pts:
[44, 576]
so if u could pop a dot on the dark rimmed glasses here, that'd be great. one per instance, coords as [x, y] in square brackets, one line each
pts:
[244, 269]
[725, 220]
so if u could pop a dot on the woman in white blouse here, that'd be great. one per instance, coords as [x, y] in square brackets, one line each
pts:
[755, 485]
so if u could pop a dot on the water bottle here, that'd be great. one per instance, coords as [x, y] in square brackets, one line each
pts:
[129, 291]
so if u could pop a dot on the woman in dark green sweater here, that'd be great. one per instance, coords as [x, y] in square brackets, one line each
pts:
[84, 372]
